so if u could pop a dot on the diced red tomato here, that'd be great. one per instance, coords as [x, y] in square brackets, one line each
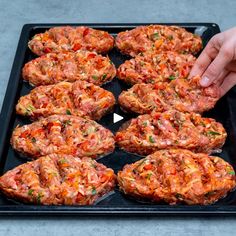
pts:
[36, 132]
[91, 55]
[86, 31]
[47, 50]
[25, 134]
[85, 145]
[76, 46]
[148, 166]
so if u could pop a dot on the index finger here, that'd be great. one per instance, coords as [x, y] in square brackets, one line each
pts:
[206, 57]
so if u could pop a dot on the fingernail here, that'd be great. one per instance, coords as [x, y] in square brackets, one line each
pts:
[204, 81]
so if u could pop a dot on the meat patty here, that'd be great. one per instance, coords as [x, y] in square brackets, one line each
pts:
[71, 39]
[178, 176]
[171, 129]
[180, 94]
[155, 67]
[157, 38]
[63, 134]
[79, 99]
[58, 179]
[71, 66]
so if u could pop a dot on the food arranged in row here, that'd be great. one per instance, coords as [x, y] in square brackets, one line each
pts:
[69, 66]
[153, 67]
[71, 39]
[63, 134]
[171, 129]
[158, 38]
[79, 99]
[58, 179]
[64, 138]
[178, 176]
[184, 95]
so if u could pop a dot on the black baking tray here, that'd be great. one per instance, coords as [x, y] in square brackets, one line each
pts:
[115, 203]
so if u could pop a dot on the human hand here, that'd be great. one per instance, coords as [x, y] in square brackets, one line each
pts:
[217, 62]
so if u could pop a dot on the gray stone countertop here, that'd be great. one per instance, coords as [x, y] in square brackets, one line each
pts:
[14, 14]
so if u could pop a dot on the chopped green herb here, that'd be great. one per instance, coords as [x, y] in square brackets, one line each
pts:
[231, 172]
[30, 192]
[149, 176]
[213, 133]
[145, 123]
[141, 162]
[65, 123]
[142, 63]
[40, 195]
[68, 112]
[111, 62]
[172, 77]
[62, 161]
[155, 36]
[94, 77]
[68, 122]
[33, 140]
[94, 191]
[151, 139]
[94, 165]
[104, 76]
[170, 37]
[203, 124]
[29, 110]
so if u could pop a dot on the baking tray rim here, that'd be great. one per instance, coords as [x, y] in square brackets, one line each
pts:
[6, 115]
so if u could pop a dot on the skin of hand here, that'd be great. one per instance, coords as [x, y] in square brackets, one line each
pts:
[217, 62]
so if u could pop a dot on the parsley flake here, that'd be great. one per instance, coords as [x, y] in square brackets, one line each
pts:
[172, 77]
[94, 77]
[231, 172]
[30, 192]
[62, 161]
[40, 195]
[149, 176]
[33, 140]
[94, 191]
[155, 36]
[145, 123]
[104, 76]
[68, 112]
[213, 133]
[151, 139]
